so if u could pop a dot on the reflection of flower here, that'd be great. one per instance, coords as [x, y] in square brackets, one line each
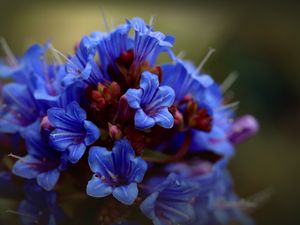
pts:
[172, 202]
[39, 206]
[116, 172]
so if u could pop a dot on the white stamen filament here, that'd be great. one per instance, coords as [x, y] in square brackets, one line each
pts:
[11, 57]
[207, 56]
[56, 55]
[104, 20]
[229, 81]
[181, 54]
[152, 21]
[22, 214]
[231, 105]
[15, 156]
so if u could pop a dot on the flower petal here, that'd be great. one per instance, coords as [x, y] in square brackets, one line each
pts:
[100, 161]
[96, 188]
[164, 118]
[76, 152]
[62, 139]
[122, 154]
[48, 179]
[134, 98]
[149, 84]
[143, 121]
[23, 167]
[92, 132]
[126, 194]
[75, 111]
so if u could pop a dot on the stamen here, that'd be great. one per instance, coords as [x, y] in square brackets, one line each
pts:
[22, 214]
[152, 21]
[207, 56]
[181, 54]
[15, 156]
[55, 54]
[112, 23]
[104, 20]
[229, 106]
[229, 81]
[261, 197]
[11, 57]
[61, 54]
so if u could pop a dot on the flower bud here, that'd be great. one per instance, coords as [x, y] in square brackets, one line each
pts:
[114, 131]
[243, 128]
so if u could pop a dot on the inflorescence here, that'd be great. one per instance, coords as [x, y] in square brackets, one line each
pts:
[135, 134]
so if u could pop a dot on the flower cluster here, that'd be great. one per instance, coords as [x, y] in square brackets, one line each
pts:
[112, 124]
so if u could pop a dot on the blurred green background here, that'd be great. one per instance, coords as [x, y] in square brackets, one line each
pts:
[261, 41]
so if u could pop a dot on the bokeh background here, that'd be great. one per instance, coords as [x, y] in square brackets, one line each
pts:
[260, 41]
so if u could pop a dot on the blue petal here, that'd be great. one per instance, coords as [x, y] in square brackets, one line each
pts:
[143, 121]
[112, 45]
[167, 96]
[96, 188]
[59, 119]
[48, 179]
[76, 152]
[126, 194]
[164, 118]
[148, 205]
[92, 132]
[72, 93]
[75, 111]
[122, 154]
[100, 161]
[140, 167]
[149, 83]
[7, 71]
[134, 98]
[23, 167]
[61, 139]
[164, 97]
[20, 103]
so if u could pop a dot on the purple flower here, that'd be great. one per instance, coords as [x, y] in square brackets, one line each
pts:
[42, 161]
[72, 131]
[151, 103]
[243, 128]
[116, 172]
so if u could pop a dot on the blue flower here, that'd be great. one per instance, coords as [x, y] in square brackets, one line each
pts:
[37, 87]
[39, 206]
[221, 205]
[171, 202]
[19, 108]
[82, 66]
[72, 131]
[112, 45]
[151, 103]
[180, 76]
[147, 43]
[116, 172]
[42, 161]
